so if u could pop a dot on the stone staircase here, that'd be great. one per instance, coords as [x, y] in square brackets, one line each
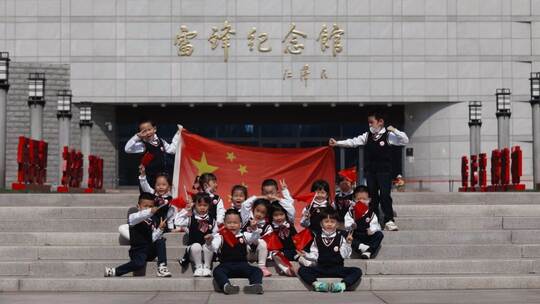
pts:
[62, 242]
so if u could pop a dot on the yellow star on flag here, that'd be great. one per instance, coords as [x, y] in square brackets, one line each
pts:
[203, 166]
[243, 169]
[231, 156]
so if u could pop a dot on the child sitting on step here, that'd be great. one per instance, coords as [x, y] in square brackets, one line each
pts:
[367, 234]
[233, 255]
[200, 226]
[328, 250]
[145, 240]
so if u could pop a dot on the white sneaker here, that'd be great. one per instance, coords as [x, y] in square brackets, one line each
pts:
[110, 272]
[207, 272]
[163, 271]
[391, 226]
[366, 255]
[199, 271]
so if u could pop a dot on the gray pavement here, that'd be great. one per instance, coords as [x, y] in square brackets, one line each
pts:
[514, 296]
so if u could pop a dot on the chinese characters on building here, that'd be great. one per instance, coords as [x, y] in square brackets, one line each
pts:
[292, 42]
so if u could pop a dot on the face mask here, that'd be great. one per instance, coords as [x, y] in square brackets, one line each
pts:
[374, 130]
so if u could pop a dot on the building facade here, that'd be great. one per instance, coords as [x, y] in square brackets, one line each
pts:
[286, 73]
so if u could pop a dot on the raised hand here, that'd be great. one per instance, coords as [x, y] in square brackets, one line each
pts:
[332, 142]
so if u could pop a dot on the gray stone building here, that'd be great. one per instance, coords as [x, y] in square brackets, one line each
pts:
[419, 60]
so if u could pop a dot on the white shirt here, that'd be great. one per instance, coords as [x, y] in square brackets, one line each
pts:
[217, 240]
[143, 215]
[374, 225]
[287, 202]
[136, 145]
[345, 248]
[395, 138]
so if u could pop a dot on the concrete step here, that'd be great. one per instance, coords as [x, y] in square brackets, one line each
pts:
[405, 223]
[369, 282]
[521, 222]
[94, 268]
[400, 198]
[416, 210]
[390, 238]
[20, 253]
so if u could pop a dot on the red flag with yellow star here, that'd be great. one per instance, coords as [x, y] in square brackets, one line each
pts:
[249, 166]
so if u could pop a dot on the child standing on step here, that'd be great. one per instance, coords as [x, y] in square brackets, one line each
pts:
[155, 149]
[328, 250]
[145, 240]
[233, 255]
[367, 234]
[239, 195]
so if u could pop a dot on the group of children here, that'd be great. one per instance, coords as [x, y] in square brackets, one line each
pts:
[255, 228]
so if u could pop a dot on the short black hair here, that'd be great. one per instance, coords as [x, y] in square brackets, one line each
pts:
[340, 178]
[320, 184]
[277, 208]
[145, 196]
[269, 182]
[239, 188]
[360, 189]
[205, 178]
[202, 197]
[377, 115]
[164, 175]
[147, 120]
[232, 211]
[261, 201]
[329, 212]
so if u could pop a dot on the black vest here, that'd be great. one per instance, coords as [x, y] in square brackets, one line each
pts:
[235, 254]
[212, 211]
[315, 219]
[140, 235]
[362, 224]
[377, 154]
[286, 235]
[160, 161]
[329, 254]
[343, 202]
[195, 234]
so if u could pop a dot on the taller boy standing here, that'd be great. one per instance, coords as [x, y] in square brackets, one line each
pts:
[147, 141]
[378, 162]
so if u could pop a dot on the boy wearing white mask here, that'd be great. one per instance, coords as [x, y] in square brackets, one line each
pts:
[378, 162]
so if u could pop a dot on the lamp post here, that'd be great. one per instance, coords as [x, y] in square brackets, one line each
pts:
[503, 113]
[85, 122]
[535, 105]
[36, 102]
[475, 123]
[4, 87]
[63, 113]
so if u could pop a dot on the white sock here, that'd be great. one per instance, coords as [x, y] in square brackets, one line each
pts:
[195, 252]
[363, 247]
[262, 253]
[207, 256]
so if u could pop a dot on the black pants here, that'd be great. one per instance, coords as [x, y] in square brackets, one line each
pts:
[379, 186]
[349, 275]
[227, 270]
[140, 255]
[373, 241]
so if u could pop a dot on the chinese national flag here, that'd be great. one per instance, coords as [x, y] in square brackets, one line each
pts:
[349, 174]
[147, 159]
[302, 238]
[249, 166]
[360, 209]
[272, 241]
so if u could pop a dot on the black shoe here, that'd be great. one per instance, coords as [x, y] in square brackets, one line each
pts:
[254, 289]
[230, 289]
